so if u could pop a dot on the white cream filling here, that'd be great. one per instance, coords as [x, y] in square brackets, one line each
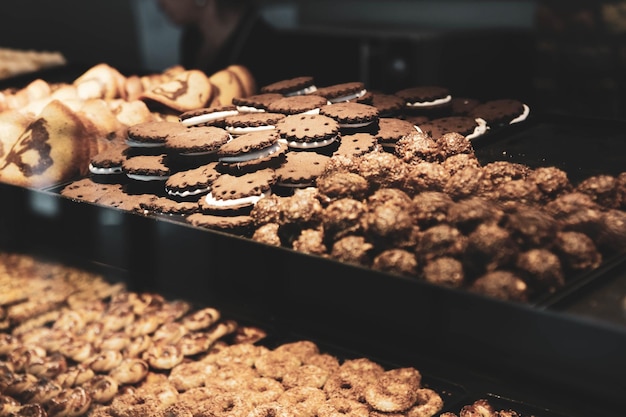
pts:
[243, 130]
[480, 129]
[522, 116]
[348, 97]
[355, 125]
[112, 170]
[147, 177]
[209, 117]
[307, 90]
[249, 156]
[188, 193]
[310, 145]
[251, 200]
[430, 103]
[249, 109]
[135, 144]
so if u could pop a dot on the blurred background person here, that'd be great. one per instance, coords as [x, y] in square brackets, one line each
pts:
[218, 33]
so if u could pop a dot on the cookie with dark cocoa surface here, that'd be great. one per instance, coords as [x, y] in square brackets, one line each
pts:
[469, 127]
[147, 168]
[252, 122]
[231, 193]
[388, 105]
[501, 112]
[251, 151]
[292, 86]
[108, 163]
[308, 131]
[88, 190]
[356, 144]
[351, 115]
[462, 106]
[122, 200]
[190, 184]
[337, 93]
[238, 224]
[309, 103]
[152, 134]
[427, 98]
[301, 169]
[201, 140]
[207, 116]
[256, 103]
[391, 130]
[164, 205]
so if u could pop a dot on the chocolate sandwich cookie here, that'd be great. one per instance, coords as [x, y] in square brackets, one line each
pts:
[301, 169]
[309, 104]
[207, 116]
[252, 122]
[127, 201]
[388, 105]
[251, 152]
[241, 225]
[106, 165]
[462, 106]
[308, 131]
[87, 190]
[291, 87]
[469, 127]
[352, 116]
[391, 130]
[255, 103]
[238, 194]
[167, 206]
[151, 134]
[197, 141]
[147, 172]
[190, 184]
[501, 112]
[356, 144]
[338, 93]
[425, 99]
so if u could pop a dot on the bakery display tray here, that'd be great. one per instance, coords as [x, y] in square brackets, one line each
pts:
[537, 345]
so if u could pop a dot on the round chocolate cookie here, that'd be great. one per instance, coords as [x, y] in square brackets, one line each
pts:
[255, 103]
[164, 205]
[301, 169]
[388, 105]
[338, 93]
[501, 112]
[238, 224]
[88, 190]
[230, 193]
[391, 130]
[304, 131]
[309, 104]
[292, 86]
[462, 106]
[207, 116]
[107, 164]
[467, 126]
[251, 151]
[351, 115]
[252, 122]
[356, 144]
[147, 168]
[425, 98]
[201, 140]
[152, 134]
[192, 183]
